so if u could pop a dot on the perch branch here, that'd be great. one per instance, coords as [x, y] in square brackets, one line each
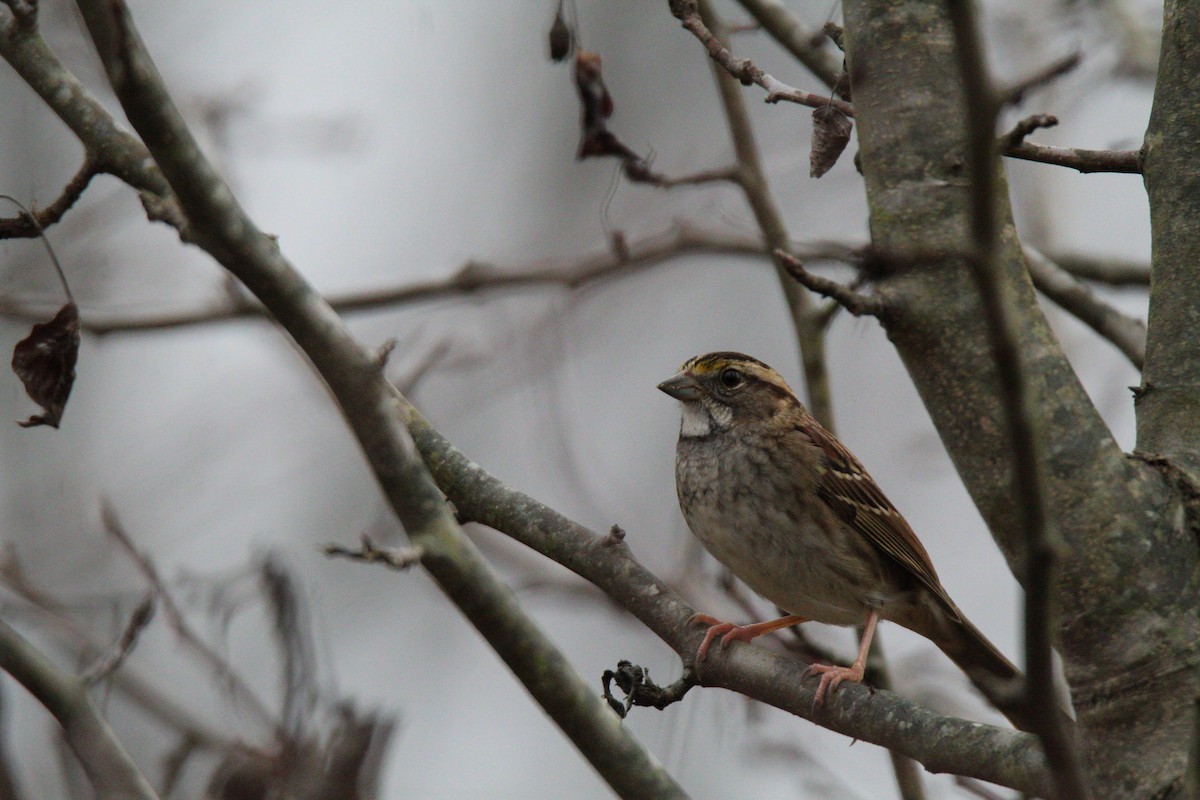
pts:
[220, 226]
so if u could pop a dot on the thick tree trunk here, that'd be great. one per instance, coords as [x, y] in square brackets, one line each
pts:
[1128, 577]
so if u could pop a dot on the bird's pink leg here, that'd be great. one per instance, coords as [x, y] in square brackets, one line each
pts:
[738, 633]
[831, 675]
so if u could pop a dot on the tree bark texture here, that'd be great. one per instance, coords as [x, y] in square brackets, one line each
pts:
[1128, 575]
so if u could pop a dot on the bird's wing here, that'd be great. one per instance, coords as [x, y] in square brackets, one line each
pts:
[855, 497]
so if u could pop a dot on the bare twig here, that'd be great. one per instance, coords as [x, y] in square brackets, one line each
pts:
[1013, 144]
[688, 13]
[1029, 493]
[1025, 127]
[158, 705]
[856, 303]
[212, 660]
[638, 170]
[1125, 332]
[805, 45]
[368, 551]
[1077, 158]
[1015, 93]
[1101, 269]
[116, 655]
[471, 277]
[28, 226]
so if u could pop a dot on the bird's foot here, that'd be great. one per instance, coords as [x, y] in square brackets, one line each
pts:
[832, 676]
[736, 633]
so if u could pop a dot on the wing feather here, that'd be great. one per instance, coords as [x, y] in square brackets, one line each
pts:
[854, 496]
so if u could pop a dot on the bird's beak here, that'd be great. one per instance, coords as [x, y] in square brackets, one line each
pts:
[682, 387]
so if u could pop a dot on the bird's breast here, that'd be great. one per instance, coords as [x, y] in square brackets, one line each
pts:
[757, 515]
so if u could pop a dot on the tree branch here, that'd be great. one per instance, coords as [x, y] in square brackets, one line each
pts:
[1112, 271]
[1009, 757]
[1168, 405]
[21, 227]
[804, 45]
[743, 69]
[219, 225]
[1078, 158]
[109, 149]
[108, 767]
[857, 304]
[997, 755]
[471, 278]
[1013, 144]
[1125, 332]
[1029, 485]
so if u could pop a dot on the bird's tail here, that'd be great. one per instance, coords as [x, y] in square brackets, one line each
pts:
[983, 663]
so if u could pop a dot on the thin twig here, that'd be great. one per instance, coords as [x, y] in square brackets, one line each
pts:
[1102, 269]
[111, 661]
[638, 170]
[856, 303]
[472, 277]
[688, 13]
[241, 690]
[1078, 158]
[33, 223]
[1125, 332]
[1015, 93]
[1029, 493]
[399, 559]
[805, 45]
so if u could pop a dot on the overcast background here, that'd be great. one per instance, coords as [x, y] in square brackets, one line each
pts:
[385, 144]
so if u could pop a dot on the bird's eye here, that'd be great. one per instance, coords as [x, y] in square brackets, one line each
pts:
[731, 378]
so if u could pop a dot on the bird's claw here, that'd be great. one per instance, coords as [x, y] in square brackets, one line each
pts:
[832, 676]
[732, 633]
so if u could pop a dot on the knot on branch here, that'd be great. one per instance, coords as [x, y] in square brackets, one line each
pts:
[639, 690]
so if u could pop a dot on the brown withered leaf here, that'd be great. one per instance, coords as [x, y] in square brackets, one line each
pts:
[45, 362]
[831, 134]
[595, 137]
[560, 37]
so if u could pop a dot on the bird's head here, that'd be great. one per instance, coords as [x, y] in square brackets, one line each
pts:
[720, 390]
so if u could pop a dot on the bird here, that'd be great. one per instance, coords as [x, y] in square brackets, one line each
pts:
[777, 499]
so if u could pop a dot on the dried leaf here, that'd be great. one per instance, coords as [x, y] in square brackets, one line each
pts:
[560, 37]
[831, 134]
[595, 138]
[45, 363]
[593, 94]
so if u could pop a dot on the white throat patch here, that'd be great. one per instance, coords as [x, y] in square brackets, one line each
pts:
[700, 418]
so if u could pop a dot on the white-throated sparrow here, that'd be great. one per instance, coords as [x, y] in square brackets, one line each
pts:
[781, 502]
